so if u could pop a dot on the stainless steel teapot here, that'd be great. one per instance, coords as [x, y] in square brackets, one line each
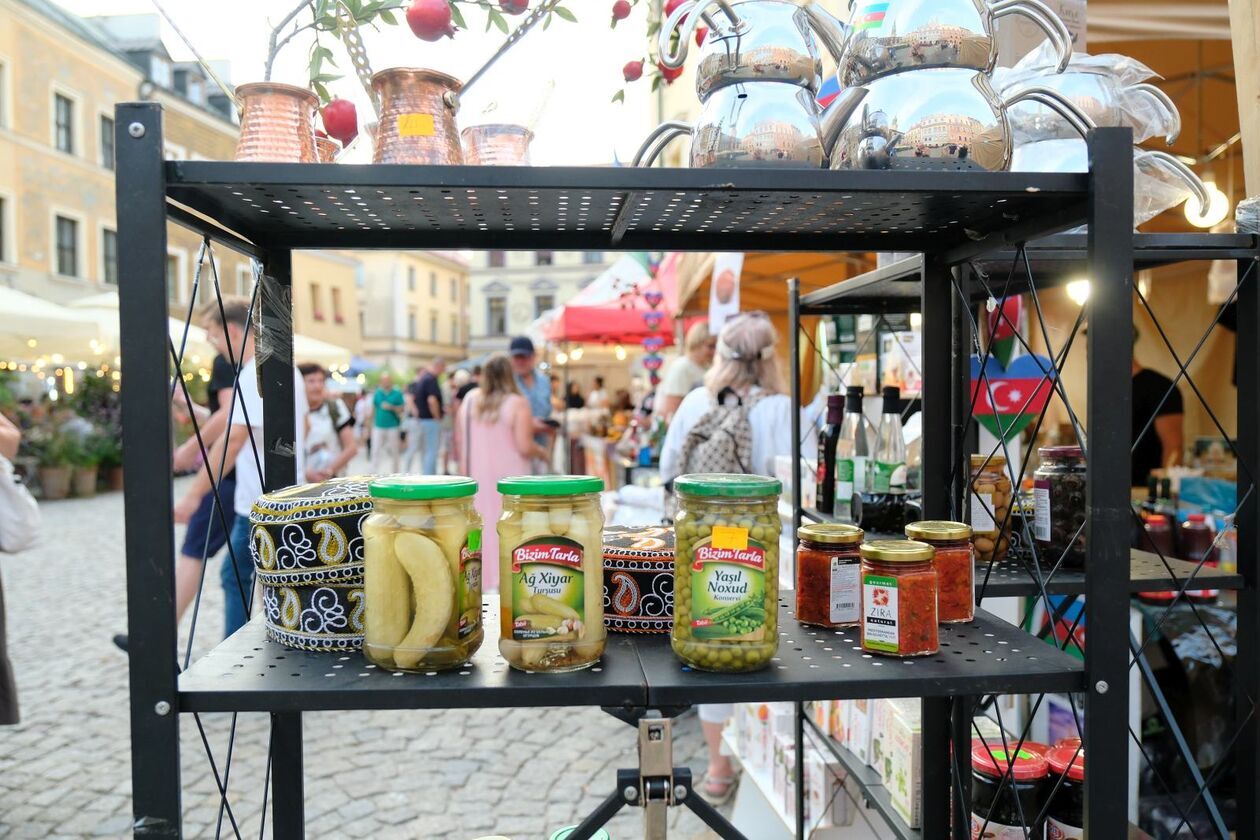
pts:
[753, 41]
[938, 118]
[767, 124]
[889, 36]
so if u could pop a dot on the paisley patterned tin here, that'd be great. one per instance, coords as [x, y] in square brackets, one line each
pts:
[638, 579]
[308, 553]
[326, 617]
[308, 534]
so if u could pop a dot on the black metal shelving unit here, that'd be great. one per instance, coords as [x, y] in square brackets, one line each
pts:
[267, 210]
[919, 284]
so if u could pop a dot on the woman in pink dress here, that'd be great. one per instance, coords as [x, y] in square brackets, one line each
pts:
[494, 438]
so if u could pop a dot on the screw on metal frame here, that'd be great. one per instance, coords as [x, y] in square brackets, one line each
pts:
[136, 130]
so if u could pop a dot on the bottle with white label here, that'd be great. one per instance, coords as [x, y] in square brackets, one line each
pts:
[853, 450]
[887, 469]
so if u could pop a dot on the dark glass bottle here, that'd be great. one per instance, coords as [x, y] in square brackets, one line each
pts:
[826, 485]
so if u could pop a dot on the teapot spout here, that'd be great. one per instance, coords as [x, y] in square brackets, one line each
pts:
[837, 113]
[831, 32]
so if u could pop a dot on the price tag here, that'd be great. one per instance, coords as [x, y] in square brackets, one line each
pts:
[416, 125]
[730, 536]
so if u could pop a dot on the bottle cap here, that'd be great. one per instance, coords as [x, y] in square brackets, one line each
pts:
[1197, 517]
[1157, 519]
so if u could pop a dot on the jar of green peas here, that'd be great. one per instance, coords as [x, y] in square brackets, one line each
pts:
[726, 571]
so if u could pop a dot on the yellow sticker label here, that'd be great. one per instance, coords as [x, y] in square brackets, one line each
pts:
[416, 125]
[729, 536]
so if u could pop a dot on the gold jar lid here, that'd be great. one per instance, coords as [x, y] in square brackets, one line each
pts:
[836, 533]
[897, 551]
[938, 529]
[988, 462]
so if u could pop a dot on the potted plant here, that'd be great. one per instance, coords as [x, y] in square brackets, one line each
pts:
[54, 452]
[109, 460]
[84, 459]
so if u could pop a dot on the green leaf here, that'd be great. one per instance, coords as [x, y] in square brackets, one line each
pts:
[498, 20]
[321, 92]
[457, 17]
[388, 17]
[324, 78]
[653, 28]
[619, 96]
[328, 23]
[547, 22]
[565, 13]
[656, 82]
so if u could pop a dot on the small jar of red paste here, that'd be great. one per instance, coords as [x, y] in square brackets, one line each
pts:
[828, 575]
[955, 568]
[898, 598]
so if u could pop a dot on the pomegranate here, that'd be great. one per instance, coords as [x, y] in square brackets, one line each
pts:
[430, 19]
[514, 7]
[633, 71]
[670, 5]
[702, 32]
[620, 10]
[667, 74]
[341, 120]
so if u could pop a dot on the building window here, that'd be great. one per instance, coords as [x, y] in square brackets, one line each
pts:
[63, 123]
[592, 257]
[496, 316]
[244, 279]
[317, 311]
[455, 338]
[497, 259]
[454, 290]
[411, 325]
[433, 336]
[174, 283]
[542, 303]
[107, 142]
[4, 223]
[338, 316]
[362, 323]
[411, 278]
[433, 284]
[544, 257]
[109, 257]
[67, 247]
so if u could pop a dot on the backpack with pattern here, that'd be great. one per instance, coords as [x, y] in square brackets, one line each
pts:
[721, 440]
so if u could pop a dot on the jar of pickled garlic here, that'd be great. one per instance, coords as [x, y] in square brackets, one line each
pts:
[551, 572]
[898, 598]
[726, 571]
[828, 575]
[955, 567]
[422, 573]
[990, 506]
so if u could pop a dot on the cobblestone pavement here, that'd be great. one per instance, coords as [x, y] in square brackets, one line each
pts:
[65, 769]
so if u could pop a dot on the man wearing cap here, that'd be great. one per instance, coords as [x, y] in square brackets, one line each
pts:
[535, 386]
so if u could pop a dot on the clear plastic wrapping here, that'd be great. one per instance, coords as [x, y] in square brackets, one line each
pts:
[1247, 216]
[1110, 89]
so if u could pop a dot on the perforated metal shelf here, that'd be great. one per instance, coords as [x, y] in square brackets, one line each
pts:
[986, 656]
[480, 207]
[248, 672]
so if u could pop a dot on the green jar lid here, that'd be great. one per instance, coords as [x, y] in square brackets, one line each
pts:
[727, 485]
[562, 834]
[550, 485]
[419, 488]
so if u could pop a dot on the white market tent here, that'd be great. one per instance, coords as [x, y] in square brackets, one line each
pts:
[31, 327]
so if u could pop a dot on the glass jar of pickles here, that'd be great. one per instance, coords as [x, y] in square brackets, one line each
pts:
[898, 598]
[990, 506]
[1059, 506]
[422, 573]
[551, 572]
[954, 565]
[726, 571]
[828, 577]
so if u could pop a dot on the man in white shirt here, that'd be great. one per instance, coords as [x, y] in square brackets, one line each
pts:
[239, 442]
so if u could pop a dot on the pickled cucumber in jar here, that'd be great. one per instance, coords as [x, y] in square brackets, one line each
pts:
[726, 571]
[422, 573]
[551, 572]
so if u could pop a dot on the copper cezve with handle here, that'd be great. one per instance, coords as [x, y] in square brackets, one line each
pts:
[417, 121]
[277, 123]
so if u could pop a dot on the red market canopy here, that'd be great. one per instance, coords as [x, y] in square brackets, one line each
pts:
[627, 318]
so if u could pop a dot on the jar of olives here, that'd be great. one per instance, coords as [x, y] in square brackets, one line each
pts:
[990, 506]
[551, 572]
[1059, 506]
[422, 573]
[726, 571]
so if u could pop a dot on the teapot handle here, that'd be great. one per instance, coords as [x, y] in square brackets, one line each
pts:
[1162, 98]
[657, 140]
[1171, 164]
[1057, 102]
[672, 61]
[1042, 15]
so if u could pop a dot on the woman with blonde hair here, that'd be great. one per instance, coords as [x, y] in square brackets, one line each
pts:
[746, 370]
[686, 373]
[494, 438]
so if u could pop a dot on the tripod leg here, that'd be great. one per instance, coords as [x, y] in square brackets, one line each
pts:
[711, 816]
[608, 808]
